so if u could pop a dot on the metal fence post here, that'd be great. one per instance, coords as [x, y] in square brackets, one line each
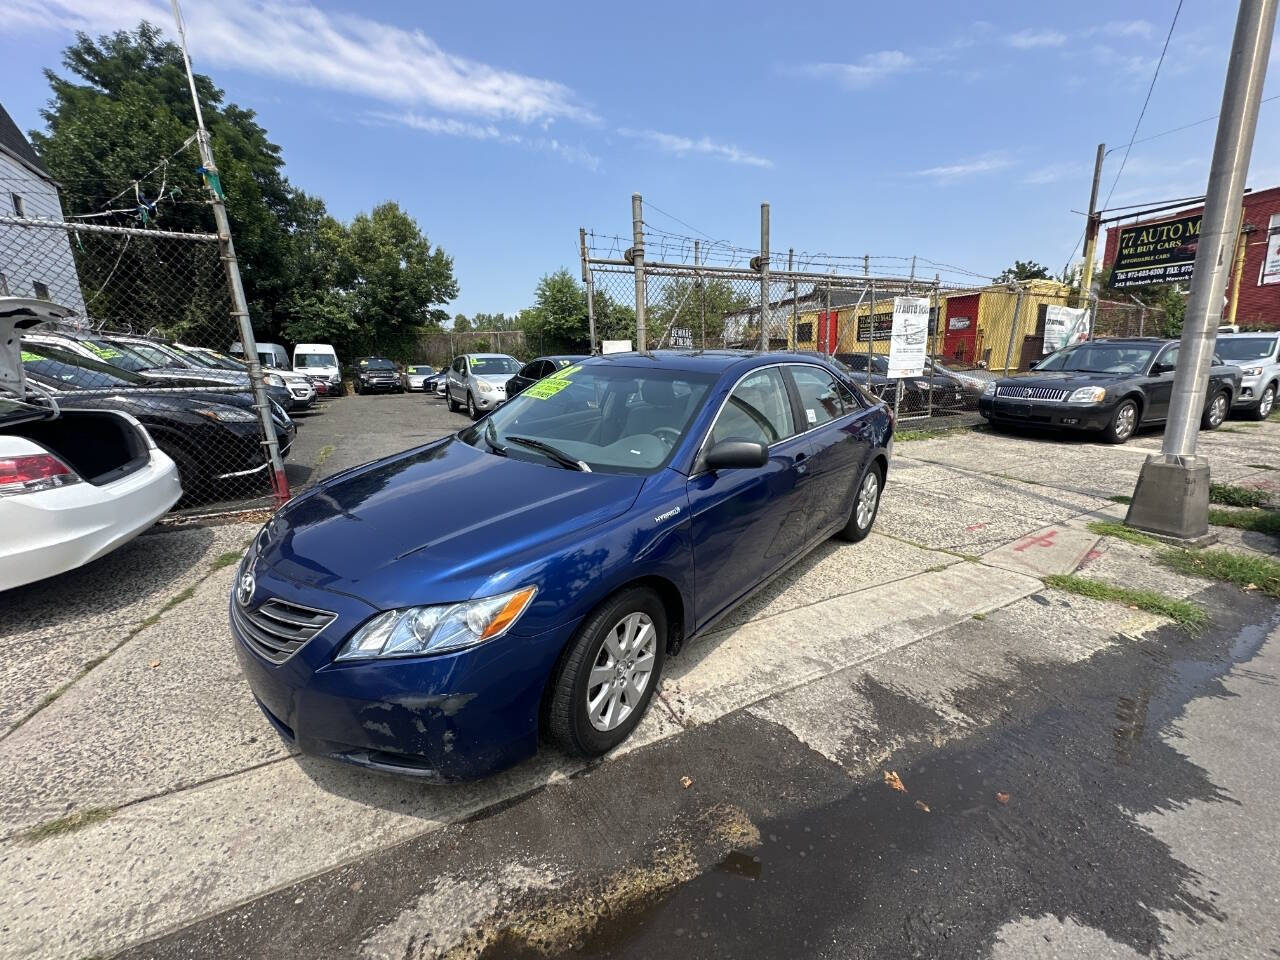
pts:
[871, 331]
[589, 282]
[791, 330]
[637, 263]
[1013, 330]
[702, 298]
[239, 305]
[933, 344]
[826, 323]
[764, 276]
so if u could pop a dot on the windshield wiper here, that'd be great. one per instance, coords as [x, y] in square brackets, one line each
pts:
[559, 456]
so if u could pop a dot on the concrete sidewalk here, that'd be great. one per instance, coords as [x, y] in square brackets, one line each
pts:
[190, 806]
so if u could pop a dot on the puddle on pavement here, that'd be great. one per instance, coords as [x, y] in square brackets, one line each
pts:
[1034, 817]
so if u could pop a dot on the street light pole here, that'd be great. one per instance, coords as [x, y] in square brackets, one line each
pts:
[1091, 227]
[1172, 496]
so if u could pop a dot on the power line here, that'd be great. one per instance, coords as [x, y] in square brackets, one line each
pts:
[1185, 126]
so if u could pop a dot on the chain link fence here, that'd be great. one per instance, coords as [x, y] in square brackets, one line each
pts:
[701, 294]
[150, 334]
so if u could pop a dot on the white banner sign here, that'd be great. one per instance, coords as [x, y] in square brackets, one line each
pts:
[1271, 257]
[909, 341]
[615, 346]
[1064, 326]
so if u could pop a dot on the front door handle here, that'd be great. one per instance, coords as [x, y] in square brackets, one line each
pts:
[801, 466]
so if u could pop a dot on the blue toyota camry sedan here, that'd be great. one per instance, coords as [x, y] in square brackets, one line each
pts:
[435, 612]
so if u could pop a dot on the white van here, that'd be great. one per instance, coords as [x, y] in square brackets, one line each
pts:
[319, 360]
[271, 355]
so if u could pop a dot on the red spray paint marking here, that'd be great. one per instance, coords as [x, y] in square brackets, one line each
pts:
[1044, 540]
[974, 526]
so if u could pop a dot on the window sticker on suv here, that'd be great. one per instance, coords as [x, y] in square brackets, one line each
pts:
[546, 388]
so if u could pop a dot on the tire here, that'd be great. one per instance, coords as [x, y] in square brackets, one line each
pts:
[862, 516]
[196, 485]
[1124, 422]
[590, 720]
[472, 412]
[448, 398]
[1266, 403]
[1216, 412]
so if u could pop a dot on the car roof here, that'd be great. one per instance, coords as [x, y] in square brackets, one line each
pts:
[704, 361]
[1255, 333]
[504, 356]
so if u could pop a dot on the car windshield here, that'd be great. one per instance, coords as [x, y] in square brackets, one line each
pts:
[376, 363]
[195, 358]
[73, 371]
[225, 362]
[1236, 349]
[859, 361]
[315, 360]
[491, 366]
[613, 419]
[116, 355]
[418, 369]
[156, 354]
[1101, 357]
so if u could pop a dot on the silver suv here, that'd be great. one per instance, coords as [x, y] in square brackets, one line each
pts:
[478, 382]
[1256, 356]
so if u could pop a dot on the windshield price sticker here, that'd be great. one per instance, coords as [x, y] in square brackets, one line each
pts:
[106, 353]
[565, 373]
[28, 357]
[546, 388]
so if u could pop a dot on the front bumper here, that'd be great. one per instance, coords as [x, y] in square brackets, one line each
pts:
[53, 531]
[379, 386]
[490, 401]
[1250, 392]
[442, 718]
[1046, 413]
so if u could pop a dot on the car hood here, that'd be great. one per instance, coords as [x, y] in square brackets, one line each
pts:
[495, 379]
[431, 525]
[1064, 379]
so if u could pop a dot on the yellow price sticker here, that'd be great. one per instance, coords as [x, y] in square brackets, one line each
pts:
[546, 388]
[28, 357]
[566, 372]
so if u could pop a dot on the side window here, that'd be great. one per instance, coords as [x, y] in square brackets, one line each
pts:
[1171, 356]
[758, 409]
[529, 371]
[542, 368]
[822, 397]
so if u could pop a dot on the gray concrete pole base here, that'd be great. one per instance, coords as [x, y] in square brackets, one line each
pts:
[1171, 500]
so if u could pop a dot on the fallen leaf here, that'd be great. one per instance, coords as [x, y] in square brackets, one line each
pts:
[686, 782]
[1002, 798]
[892, 779]
[154, 664]
[921, 805]
[1251, 586]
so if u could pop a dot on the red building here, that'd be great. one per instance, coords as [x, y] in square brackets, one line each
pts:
[1259, 306]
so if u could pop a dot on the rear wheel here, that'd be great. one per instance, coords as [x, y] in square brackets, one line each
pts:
[1216, 411]
[866, 504]
[1266, 403]
[1123, 423]
[448, 398]
[607, 676]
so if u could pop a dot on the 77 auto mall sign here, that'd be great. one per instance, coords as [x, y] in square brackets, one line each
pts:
[1156, 253]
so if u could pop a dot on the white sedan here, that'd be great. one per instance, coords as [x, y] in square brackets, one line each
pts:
[74, 484]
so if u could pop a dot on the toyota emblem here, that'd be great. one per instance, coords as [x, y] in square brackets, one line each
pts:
[245, 588]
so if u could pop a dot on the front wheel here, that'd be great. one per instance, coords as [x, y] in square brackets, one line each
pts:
[472, 412]
[1266, 403]
[866, 504]
[607, 676]
[1123, 423]
[1216, 411]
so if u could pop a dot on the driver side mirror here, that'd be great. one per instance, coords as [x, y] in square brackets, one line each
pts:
[736, 454]
[1160, 368]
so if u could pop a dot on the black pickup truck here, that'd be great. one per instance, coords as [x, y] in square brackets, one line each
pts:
[1111, 386]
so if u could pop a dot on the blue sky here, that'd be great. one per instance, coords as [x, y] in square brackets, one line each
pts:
[964, 133]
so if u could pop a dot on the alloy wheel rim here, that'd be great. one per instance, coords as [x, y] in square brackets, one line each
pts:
[868, 497]
[621, 672]
[1268, 401]
[471, 405]
[1217, 414]
[1126, 420]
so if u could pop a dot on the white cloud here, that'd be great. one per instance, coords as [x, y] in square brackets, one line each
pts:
[946, 173]
[1127, 28]
[1054, 172]
[452, 127]
[868, 69]
[1034, 39]
[333, 51]
[703, 146]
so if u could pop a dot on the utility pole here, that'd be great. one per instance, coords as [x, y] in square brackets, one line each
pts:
[764, 276]
[637, 264]
[589, 283]
[1091, 227]
[1237, 272]
[239, 306]
[1172, 496]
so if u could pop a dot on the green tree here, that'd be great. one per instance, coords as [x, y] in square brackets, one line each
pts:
[557, 321]
[694, 306]
[1024, 270]
[461, 324]
[394, 280]
[122, 108]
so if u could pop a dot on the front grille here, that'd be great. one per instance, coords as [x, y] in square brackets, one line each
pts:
[276, 629]
[1031, 393]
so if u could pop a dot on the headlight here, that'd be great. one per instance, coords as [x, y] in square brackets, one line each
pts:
[274, 380]
[1088, 395]
[415, 631]
[989, 389]
[485, 387]
[1252, 371]
[227, 414]
[336, 379]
